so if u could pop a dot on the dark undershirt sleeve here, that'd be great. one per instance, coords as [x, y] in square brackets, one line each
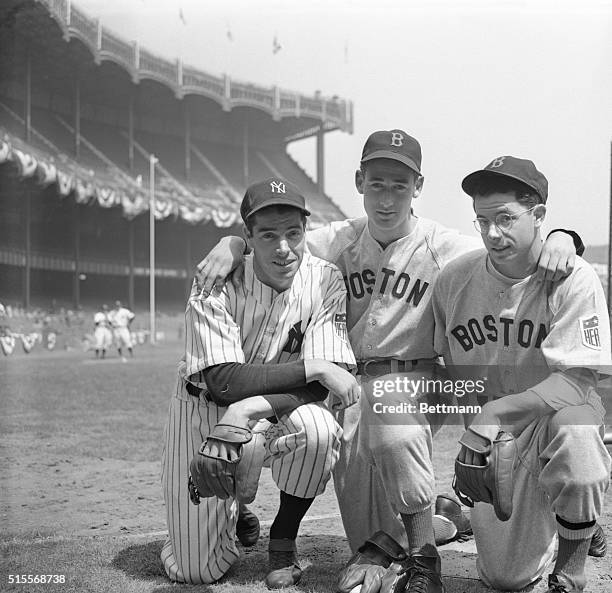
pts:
[282, 385]
[578, 244]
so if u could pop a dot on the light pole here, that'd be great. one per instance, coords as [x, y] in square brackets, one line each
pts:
[152, 161]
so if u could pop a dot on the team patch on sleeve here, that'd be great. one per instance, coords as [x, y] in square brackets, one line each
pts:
[589, 330]
[340, 326]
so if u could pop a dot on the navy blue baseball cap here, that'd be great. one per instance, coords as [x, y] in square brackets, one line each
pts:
[271, 192]
[509, 166]
[395, 145]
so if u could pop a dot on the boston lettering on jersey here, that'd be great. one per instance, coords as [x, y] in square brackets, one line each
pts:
[358, 284]
[476, 333]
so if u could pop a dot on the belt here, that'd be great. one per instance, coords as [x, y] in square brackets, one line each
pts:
[376, 367]
[195, 391]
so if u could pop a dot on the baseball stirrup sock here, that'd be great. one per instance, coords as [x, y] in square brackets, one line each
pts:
[290, 514]
[572, 553]
[419, 529]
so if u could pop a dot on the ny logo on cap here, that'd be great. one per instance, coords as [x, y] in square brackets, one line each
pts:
[397, 139]
[277, 187]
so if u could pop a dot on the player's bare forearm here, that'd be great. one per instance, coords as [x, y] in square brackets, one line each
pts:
[515, 412]
[247, 410]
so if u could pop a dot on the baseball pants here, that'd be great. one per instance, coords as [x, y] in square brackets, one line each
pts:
[385, 466]
[123, 337]
[563, 470]
[103, 338]
[301, 451]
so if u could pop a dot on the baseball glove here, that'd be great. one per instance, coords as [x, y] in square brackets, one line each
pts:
[216, 476]
[368, 566]
[491, 482]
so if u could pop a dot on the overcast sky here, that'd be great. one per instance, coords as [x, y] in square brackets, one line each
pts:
[470, 79]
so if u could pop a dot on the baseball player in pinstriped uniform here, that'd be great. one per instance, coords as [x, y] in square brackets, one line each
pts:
[103, 338]
[540, 347]
[265, 348]
[390, 260]
[121, 318]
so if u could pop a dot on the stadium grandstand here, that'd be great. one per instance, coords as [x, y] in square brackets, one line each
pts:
[82, 111]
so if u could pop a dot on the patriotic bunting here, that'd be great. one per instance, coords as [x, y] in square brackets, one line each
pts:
[70, 178]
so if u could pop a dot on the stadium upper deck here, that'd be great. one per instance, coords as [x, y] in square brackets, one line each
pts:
[82, 110]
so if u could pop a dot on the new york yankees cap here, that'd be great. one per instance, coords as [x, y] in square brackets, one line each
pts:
[509, 166]
[271, 192]
[395, 145]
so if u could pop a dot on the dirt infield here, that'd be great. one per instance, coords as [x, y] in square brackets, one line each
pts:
[80, 493]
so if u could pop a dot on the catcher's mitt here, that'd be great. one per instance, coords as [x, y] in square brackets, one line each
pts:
[214, 476]
[491, 482]
[369, 564]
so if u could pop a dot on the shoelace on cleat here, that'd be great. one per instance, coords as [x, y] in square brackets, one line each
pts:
[418, 578]
[557, 588]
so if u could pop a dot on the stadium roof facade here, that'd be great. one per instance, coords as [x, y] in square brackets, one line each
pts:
[53, 55]
[93, 126]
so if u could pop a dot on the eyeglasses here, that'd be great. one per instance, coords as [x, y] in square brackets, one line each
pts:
[503, 222]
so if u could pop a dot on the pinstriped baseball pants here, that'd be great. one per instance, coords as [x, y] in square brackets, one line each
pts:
[301, 451]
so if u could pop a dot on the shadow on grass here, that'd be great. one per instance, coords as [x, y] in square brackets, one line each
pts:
[320, 556]
[140, 560]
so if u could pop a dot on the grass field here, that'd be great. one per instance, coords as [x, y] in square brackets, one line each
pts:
[80, 444]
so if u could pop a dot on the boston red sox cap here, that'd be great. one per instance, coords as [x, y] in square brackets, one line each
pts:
[395, 145]
[271, 192]
[509, 166]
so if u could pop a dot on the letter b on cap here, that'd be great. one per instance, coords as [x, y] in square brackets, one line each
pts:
[397, 139]
[498, 162]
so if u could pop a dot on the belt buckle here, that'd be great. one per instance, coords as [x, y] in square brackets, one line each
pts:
[365, 367]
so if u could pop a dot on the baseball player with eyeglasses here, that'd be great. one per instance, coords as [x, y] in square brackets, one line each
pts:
[269, 348]
[541, 347]
[390, 260]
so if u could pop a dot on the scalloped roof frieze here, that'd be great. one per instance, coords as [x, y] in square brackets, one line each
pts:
[185, 80]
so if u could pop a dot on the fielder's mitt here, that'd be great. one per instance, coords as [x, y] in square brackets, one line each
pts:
[214, 476]
[369, 564]
[491, 482]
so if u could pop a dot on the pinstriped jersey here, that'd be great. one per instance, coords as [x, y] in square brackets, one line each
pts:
[389, 290]
[516, 332]
[255, 324]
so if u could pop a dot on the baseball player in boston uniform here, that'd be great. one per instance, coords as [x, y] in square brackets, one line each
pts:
[269, 347]
[540, 347]
[390, 260]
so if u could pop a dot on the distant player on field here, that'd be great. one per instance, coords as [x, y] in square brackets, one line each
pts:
[390, 260]
[103, 337]
[540, 347]
[121, 318]
[270, 347]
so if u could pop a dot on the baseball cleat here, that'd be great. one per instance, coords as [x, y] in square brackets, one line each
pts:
[247, 527]
[194, 495]
[450, 522]
[420, 573]
[559, 584]
[599, 545]
[284, 569]
[366, 568]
